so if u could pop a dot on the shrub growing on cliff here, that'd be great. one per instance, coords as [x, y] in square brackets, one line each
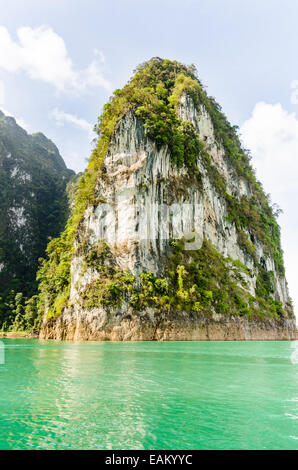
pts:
[199, 280]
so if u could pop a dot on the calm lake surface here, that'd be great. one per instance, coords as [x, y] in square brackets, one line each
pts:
[149, 395]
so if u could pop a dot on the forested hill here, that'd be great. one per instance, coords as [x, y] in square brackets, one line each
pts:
[33, 207]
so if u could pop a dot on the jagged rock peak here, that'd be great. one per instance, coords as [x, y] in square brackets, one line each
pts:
[169, 226]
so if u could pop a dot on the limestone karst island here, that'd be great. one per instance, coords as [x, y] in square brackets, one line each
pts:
[167, 235]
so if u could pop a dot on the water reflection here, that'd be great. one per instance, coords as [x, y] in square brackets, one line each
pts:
[149, 395]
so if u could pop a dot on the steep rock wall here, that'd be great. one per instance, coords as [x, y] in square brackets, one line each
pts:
[125, 325]
[145, 201]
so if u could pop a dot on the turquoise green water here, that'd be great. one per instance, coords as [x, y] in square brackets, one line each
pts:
[174, 395]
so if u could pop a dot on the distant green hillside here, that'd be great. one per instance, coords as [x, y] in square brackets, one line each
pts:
[33, 207]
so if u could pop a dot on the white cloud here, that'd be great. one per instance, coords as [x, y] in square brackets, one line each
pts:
[271, 133]
[61, 118]
[42, 54]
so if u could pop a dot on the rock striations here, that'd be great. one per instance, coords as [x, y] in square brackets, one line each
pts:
[171, 235]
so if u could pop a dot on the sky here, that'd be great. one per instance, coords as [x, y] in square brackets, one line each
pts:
[60, 60]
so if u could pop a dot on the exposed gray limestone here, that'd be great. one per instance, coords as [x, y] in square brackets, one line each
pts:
[146, 201]
[144, 208]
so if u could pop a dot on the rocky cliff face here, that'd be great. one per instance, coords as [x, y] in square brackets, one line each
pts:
[163, 252]
[33, 206]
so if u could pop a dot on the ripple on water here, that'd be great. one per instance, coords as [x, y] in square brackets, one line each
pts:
[171, 395]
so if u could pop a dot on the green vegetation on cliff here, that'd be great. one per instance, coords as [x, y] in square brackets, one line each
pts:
[153, 95]
[196, 281]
